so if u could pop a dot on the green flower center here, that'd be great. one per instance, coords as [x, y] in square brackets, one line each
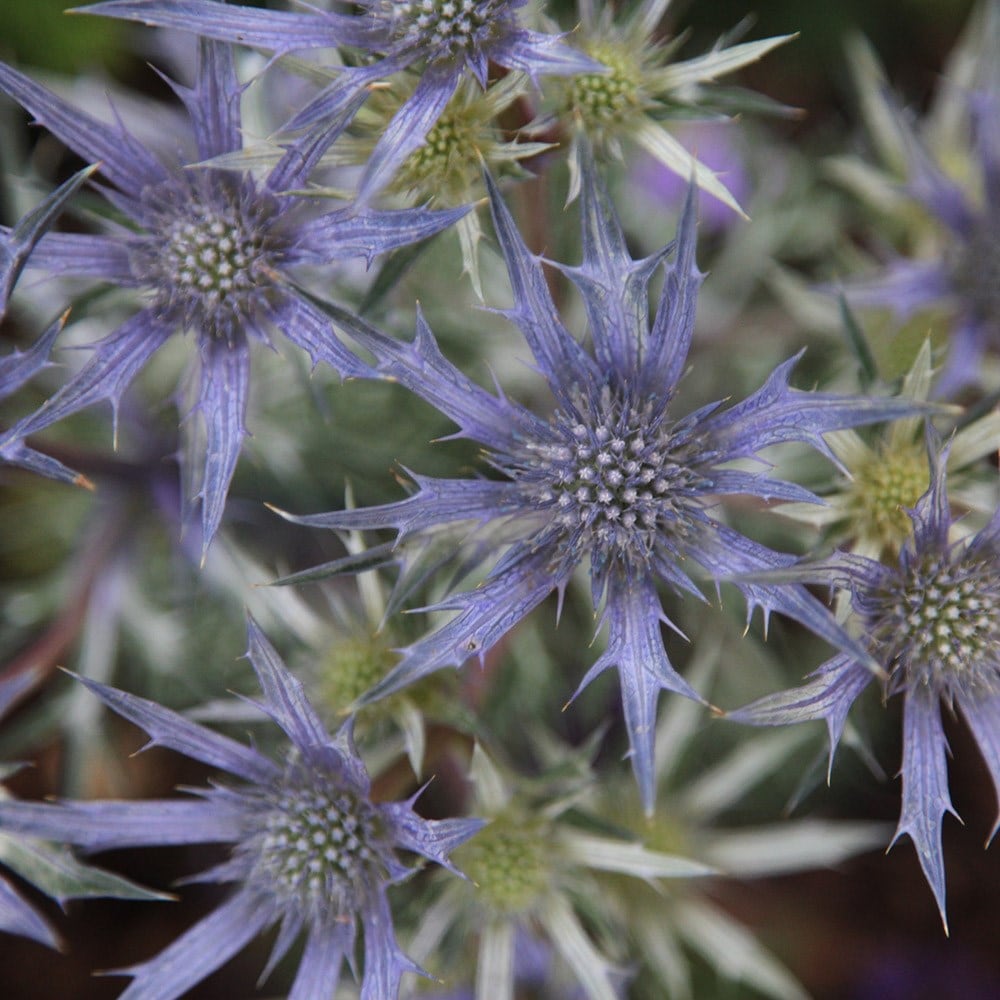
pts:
[882, 490]
[607, 98]
[446, 159]
[353, 667]
[507, 862]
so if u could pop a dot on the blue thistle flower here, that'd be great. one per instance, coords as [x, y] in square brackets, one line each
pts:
[211, 252]
[446, 38]
[611, 477]
[932, 621]
[965, 275]
[312, 853]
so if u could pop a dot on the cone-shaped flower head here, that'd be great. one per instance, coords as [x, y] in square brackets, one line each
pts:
[932, 620]
[612, 477]
[443, 39]
[312, 852]
[210, 252]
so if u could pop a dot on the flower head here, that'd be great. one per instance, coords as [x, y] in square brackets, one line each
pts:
[612, 478]
[961, 271]
[534, 874]
[210, 252]
[311, 851]
[883, 478]
[641, 86]
[442, 39]
[446, 170]
[932, 621]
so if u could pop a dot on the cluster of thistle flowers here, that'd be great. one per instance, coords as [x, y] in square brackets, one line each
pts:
[608, 492]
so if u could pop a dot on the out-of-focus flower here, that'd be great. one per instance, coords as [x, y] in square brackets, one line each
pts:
[714, 142]
[958, 269]
[932, 621]
[312, 853]
[211, 251]
[445, 40]
[610, 478]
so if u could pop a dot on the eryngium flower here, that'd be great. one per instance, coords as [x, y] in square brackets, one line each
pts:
[441, 38]
[965, 275]
[611, 477]
[640, 86]
[932, 621]
[311, 851]
[211, 251]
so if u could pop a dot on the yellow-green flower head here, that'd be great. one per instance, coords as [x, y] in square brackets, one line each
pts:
[643, 87]
[883, 478]
[448, 167]
[534, 875]
[510, 863]
[351, 666]
[888, 480]
[604, 101]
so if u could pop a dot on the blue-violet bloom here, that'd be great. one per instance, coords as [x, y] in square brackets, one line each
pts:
[965, 277]
[932, 621]
[211, 251]
[443, 39]
[611, 477]
[312, 852]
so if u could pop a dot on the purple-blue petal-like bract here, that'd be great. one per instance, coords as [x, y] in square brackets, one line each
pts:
[611, 478]
[312, 854]
[933, 624]
[211, 250]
